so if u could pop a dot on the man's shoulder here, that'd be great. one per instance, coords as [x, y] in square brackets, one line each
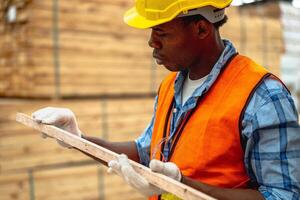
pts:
[271, 86]
[268, 92]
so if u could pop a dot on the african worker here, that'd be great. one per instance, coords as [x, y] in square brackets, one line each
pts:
[222, 123]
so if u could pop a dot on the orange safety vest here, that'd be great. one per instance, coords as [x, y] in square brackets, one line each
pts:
[206, 146]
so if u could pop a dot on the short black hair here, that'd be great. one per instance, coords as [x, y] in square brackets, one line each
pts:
[194, 18]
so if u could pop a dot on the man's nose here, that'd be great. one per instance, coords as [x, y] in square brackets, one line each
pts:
[153, 43]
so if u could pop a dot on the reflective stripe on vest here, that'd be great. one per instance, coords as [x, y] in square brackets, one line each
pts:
[208, 148]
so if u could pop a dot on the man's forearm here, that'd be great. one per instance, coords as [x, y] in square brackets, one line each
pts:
[128, 148]
[223, 193]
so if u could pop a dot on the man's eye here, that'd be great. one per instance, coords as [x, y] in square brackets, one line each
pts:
[161, 34]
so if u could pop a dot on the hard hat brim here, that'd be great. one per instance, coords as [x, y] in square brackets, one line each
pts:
[133, 19]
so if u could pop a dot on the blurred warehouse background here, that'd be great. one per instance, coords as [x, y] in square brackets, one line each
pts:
[79, 54]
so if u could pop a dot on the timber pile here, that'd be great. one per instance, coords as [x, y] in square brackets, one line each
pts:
[13, 44]
[84, 49]
[23, 151]
[80, 182]
[81, 48]
[257, 33]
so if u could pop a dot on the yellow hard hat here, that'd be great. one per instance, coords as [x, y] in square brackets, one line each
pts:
[149, 13]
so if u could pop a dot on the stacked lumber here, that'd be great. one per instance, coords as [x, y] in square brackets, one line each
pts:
[114, 120]
[14, 186]
[13, 54]
[257, 33]
[27, 159]
[82, 48]
[79, 182]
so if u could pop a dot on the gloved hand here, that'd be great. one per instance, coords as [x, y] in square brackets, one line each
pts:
[122, 167]
[60, 117]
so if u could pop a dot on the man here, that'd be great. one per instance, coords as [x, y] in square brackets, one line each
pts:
[222, 124]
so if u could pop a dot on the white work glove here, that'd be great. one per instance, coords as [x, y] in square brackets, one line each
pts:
[60, 117]
[122, 167]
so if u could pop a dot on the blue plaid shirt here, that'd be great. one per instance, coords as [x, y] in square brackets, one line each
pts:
[270, 127]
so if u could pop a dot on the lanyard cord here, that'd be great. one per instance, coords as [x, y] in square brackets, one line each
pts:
[166, 127]
[179, 130]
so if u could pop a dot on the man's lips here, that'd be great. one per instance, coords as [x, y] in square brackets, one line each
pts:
[158, 59]
[157, 56]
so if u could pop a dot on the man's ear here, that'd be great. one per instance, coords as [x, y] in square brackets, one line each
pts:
[203, 28]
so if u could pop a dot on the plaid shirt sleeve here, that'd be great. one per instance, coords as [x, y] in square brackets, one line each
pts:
[144, 141]
[272, 153]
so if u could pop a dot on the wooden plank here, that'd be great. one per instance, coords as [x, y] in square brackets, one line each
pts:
[159, 180]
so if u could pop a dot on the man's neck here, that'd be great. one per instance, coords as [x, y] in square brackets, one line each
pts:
[206, 62]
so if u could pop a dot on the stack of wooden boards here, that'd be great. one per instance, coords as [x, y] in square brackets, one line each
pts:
[81, 48]
[256, 32]
[30, 164]
[84, 48]
[14, 56]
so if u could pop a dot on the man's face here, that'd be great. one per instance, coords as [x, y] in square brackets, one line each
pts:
[175, 45]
